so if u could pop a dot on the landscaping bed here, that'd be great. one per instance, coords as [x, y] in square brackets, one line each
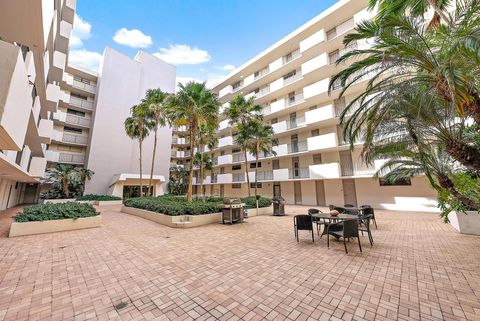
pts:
[100, 199]
[48, 218]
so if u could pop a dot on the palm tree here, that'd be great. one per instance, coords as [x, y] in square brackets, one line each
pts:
[261, 140]
[239, 112]
[406, 55]
[83, 175]
[137, 127]
[206, 136]
[155, 100]
[193, 105]
[62, 176]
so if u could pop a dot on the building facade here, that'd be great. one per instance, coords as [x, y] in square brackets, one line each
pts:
[34, 39]
[314, 164]
[112, 155]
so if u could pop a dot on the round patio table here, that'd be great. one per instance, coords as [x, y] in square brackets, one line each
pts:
[340, 217]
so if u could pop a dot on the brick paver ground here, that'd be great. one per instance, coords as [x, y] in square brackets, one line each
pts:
[418, 269]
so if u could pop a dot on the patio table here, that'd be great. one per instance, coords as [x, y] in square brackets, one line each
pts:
[331, 218]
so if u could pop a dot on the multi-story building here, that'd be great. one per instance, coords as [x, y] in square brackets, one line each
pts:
[73, 120]
[34, 39]
[313, 164]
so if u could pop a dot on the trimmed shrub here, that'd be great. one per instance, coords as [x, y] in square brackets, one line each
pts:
[250, 202]
[94, 197]
[58, 211]
[174, 205]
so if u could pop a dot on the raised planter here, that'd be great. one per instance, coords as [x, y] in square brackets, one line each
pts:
[261, 211]
[51, 226]
[113, 202]
[59, 200]
[180, 221]
[465, 223]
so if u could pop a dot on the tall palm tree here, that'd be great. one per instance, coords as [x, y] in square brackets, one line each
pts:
[155, 100]
[137, 126]
[83, 175]
[261, 140]
[193, 105]
[206, 136]
[62, 176]
[239, 112]
[405, 54]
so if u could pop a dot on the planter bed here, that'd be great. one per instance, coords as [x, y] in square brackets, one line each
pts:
[178, 221]
[40, 227]
[261, 211]
[465, 223]
[102, 203]
[59, 200]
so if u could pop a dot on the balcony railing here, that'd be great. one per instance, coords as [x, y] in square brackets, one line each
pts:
[71, 158]
[298, 173]
[261, 73]
[292, 78]
[265, 176]
[294, 99]
[297, 147]
[356, 169]
[75, 139]
[295, 123]
[240, 177]
[84, 86]
[214, 179]
[238, 157]
[81, 103]
[291, 56]
[77, 120]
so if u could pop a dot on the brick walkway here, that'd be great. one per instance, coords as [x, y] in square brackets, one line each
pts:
[418, 269]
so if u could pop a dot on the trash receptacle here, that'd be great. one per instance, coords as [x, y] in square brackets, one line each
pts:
[278, 206]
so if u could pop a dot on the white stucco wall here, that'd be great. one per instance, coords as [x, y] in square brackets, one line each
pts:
[122, 83]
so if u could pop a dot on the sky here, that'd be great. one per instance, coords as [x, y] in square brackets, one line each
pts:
[204, 39]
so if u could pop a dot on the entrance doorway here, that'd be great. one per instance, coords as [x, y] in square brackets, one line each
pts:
[349, 192]
[297, 191]
[320, 189]
[131, 191]
[30, 194]
[277, 191]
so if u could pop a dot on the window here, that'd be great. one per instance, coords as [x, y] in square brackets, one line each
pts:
[332, 33]
[236, 185]
[236, 167]
[276, 164]
[252, 185]
[291, 97]
[315, 132]
[78, 96]
[399, 182]
[274, 121]
[237, 85]
[72, 130]
[253, 165]
[312, 107]
[222, 153]
[289, 75]
[222, 170]
[236, 150]
[333, 56]
[75, 112]
[317, 159]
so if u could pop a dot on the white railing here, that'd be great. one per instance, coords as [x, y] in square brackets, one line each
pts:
[238, 157]
[297, 147]
[297, 173]
[240, 177]
[356, 169]
[292, 56]
[298, 122]
[261, 73]
[265, 176]
[294, 100]
[77, 120]
[81, 103]
[298, 75]
[75, 139]
[84, 86]
[71, 158]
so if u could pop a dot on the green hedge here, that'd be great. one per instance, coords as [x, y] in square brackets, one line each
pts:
[251, 203]
[173, 205]
[56, 211]
[94, 197]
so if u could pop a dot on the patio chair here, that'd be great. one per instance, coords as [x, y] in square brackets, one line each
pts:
[368, 210]
[316, 220]
[364, 226]
[350, 229]
[348, 205]
[303, 223]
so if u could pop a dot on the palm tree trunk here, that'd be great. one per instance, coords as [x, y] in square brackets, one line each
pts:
[464, 153]
[447, 184]
[246, 171]
[201, 172]
[153, 159]
[192, 146]
[256, 175]
[65, 187]
[141, 184]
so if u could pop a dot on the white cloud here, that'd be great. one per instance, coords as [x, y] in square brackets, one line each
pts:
[132, 38]
[183, 55]
[228, 67]
[81, 31]
[84, 58]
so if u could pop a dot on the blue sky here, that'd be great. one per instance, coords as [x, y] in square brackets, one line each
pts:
[205, 39]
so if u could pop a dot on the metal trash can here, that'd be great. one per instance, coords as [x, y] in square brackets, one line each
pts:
[278, 206]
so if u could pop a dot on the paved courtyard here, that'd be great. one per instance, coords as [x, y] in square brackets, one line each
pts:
[418, 269]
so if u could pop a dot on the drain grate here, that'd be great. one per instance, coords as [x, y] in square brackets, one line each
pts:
[120, 305]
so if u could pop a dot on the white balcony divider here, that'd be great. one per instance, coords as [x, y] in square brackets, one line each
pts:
[225, 159]
[315, 63]
[277, 105]
[313, 40]
[225, 91]
[320, 87]
[276, 85]
[319, 114]
[280, 127]
[281, 149]
[321, 171]
[322, 141]
[223, 124]
[280, 174]
[224, 178]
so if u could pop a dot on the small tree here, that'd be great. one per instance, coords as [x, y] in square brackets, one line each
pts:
[83, 175]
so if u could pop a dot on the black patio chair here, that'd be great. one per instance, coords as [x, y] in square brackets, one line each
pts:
[303, 223]
[364, 226]
[316, 220]
[368, 210]
[349, 229]
[348, 205]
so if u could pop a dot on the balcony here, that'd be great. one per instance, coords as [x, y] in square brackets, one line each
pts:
[315, 89]
[288, 80]
[291, 56]
[297, 147]
[357, 169]
[83, 86]
[265, 176]
[225, 159]
[77, 120]
[224, 178]
[322, 141]
[312, 40]
[223, 124]
[225, 91]
[214, 179]
[293, 100]
[322, 171]
[315, 64]
[179, 141]
[319, 114]
[238, 157]
[52, 96]
[299, 173]
[59, 59]
[37, 167]
[225, 141]
[45, 130]
[240, 177]
[74, 139]
[280, 174]
[70, 158]
[82, 103]
[340, 29]
[62, 39]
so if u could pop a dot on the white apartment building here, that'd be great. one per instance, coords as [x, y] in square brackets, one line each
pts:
[34, 39]
[73, 120]
[314, 165]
